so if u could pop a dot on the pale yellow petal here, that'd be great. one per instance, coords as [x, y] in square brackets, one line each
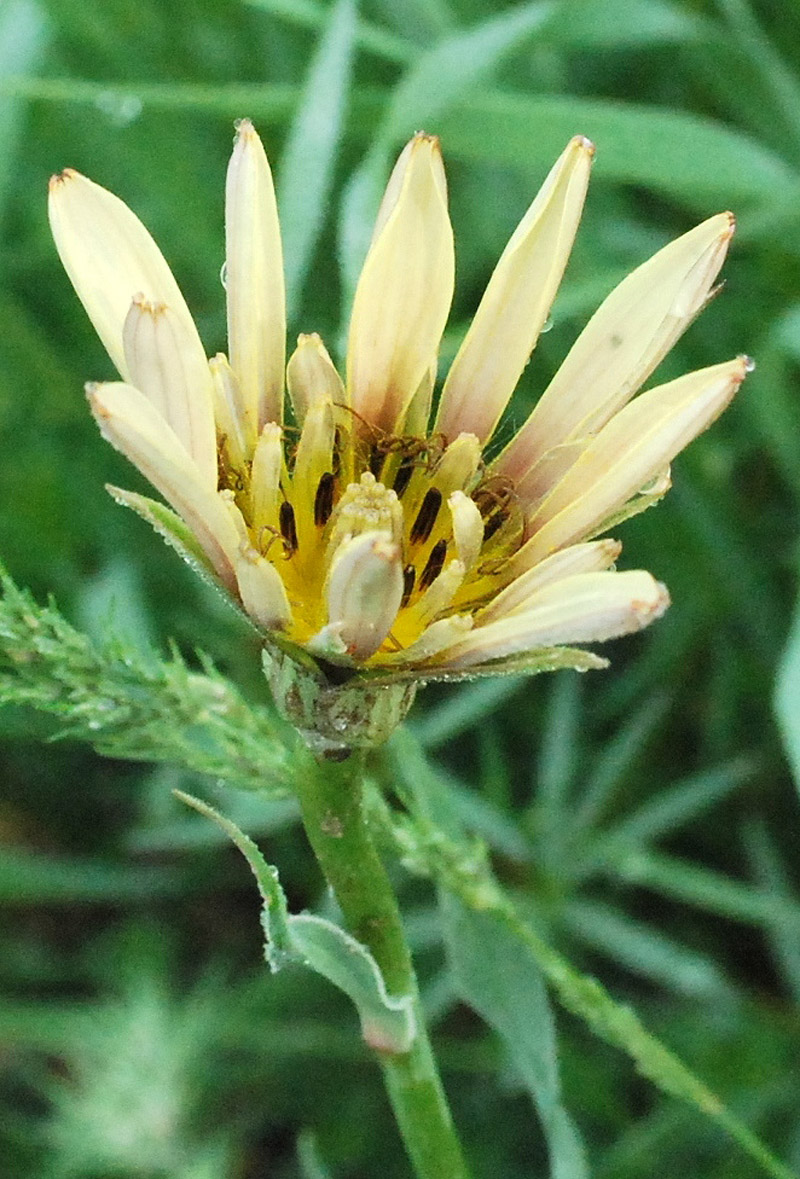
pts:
[262, 591]
[364, 591]
[228, 413]
[265, 483]
[590, 557]
[254, 280]
[587, 608]
[517, 301]
[630, 451]
[131, 424]
[393, 189]
[167, 363]
[310, 374]
[622, 343]
[467, 523]
[433, 639]
[403, 295]
[313, 460]
[109, 257]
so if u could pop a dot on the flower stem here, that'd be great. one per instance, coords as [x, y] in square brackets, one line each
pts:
[330, 797]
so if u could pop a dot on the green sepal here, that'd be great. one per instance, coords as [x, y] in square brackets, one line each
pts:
[387, 1021]
[170, 528]
[358, 712]
[529, 663]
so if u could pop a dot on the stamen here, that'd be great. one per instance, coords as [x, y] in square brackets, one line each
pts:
[288, 528]
[403, 476]
[377, 457]
[409, 577]
[494, 523]
[426, 516]
[323, 500]
[434, 564]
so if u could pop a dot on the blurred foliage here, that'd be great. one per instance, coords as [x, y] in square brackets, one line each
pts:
[644, 819]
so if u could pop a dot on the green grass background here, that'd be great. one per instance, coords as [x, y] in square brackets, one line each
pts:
[646, 816]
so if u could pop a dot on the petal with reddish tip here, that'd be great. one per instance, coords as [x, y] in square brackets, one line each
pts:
[404, 293]
[591, 557]
[517, 301]
[254, 280]
[109, 257]
[631, 450]
[587, 608]
[623, 342]
[131, 424]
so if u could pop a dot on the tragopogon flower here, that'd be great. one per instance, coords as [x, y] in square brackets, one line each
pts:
[361, 540]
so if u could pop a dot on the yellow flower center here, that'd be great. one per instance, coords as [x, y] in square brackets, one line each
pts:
[451, 527]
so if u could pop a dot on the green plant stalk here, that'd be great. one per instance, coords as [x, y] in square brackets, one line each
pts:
[330, 797]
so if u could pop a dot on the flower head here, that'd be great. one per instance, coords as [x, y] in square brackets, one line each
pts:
[360, 539]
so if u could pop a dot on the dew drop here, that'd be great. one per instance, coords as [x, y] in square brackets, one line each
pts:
[547, 325]
[119, 109]
[223, 275]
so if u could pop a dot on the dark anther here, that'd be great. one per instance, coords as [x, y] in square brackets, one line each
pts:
[434, 564]
[377, 457]
[409, 576]
[323, 500]
[426, 516]
[288, 527]
[494, 523]
[338, 444]
[403, 476]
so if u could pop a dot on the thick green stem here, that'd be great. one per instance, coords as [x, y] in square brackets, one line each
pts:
[331, 803]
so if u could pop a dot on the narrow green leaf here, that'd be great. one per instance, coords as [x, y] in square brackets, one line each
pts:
[370, 37]
[428, 839]
[444, 75]
[499, 976]
[306, 172]
[23, 35]
[560, 750]
[28, 878]
[644, 950]
[387, 1021]
[308, 1157]
[618, 24]
[706, 889]
[676, 806]
[787, 697]
[772, 875]
[694, 159]
[460, 711]
[617, 759]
